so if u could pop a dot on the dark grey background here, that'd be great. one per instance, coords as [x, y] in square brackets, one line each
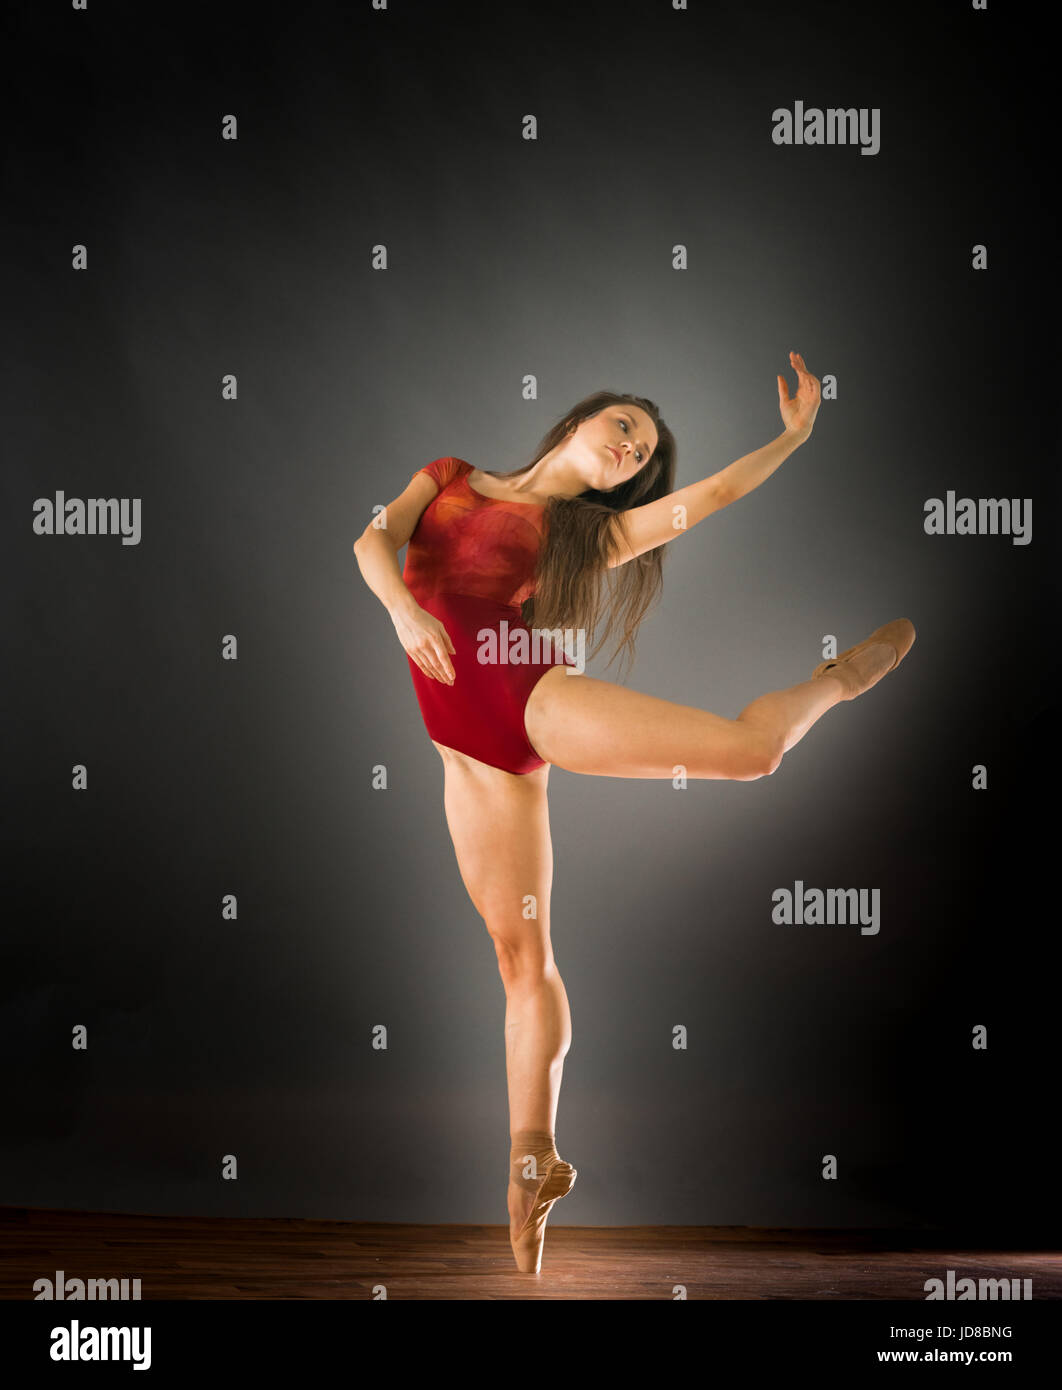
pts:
[509, 257]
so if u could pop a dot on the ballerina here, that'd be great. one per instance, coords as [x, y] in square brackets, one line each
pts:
[535, 546]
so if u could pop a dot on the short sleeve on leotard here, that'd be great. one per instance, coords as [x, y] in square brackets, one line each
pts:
[442, 471]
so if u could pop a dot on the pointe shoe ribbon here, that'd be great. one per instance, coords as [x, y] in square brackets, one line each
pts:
[898, 634]
[527, 1244]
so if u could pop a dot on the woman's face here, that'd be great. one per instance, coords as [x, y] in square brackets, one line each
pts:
[616, 443]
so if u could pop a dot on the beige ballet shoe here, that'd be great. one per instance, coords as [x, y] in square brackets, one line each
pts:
[899, 635]
[527, 1244]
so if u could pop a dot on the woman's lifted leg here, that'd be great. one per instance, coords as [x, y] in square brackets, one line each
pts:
[592, 726]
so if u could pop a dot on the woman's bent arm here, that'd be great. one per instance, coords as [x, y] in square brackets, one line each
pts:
[424, 638]
[376, 549]
[378, 561]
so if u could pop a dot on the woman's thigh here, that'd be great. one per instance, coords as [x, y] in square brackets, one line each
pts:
[587, 725]
[499, 824]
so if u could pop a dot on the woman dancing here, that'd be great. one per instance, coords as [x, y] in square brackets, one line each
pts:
[489, 554]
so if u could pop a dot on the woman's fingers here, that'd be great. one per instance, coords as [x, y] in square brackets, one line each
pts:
[425, 641]
[445, 664]
[433, 668]
[798, 364]
[428, 659]
[803, 375]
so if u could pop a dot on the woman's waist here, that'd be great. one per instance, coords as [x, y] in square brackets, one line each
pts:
[498, 627]
[462, 601]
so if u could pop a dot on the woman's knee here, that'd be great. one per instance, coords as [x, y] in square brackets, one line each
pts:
[523, 948]
[760, 753]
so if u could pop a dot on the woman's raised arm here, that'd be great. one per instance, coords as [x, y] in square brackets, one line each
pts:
[644, 528]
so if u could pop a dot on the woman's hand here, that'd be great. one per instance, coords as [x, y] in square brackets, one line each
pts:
[799, 411]
[425, 640]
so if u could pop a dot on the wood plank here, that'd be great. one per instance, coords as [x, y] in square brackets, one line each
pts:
[258, 1258]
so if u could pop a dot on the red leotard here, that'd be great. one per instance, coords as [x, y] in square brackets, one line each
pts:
[471, 563]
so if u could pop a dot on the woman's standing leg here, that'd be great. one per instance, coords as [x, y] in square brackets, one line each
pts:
[499, 823]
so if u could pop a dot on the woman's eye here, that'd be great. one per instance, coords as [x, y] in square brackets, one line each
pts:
[638, 453]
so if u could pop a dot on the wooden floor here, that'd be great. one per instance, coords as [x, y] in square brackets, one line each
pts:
[212, 1258]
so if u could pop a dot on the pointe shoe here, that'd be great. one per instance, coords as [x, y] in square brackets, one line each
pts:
[899, 635]
[527, 1245]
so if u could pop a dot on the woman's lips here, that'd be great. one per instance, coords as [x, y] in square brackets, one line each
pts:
[613, 452]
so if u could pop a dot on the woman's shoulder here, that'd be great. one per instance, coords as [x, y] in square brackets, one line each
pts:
[446, 469]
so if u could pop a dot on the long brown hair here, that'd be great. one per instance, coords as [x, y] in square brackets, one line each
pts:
[573, 572]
